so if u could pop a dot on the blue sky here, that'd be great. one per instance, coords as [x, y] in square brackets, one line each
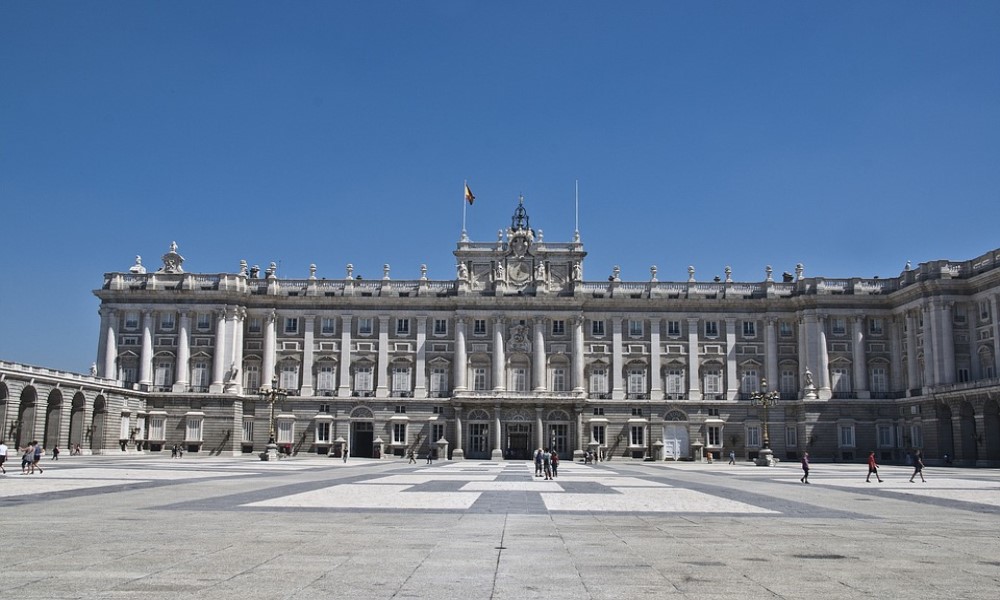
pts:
[849, 136]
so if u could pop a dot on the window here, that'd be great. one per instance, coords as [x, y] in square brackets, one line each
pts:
[479, 379]
[713, 412]
[598, 411]
[884, 434]
[674, 328]
[167, 321]
[713, 382]
[634, 328]
[559, 380]
[558, 327]
[984, 311]
[400, 409]
[791, 437]
[636, 411]
[479, 437]
[291, 325]
[401, 379]
[248, 429]
[163, 373]
[597, 434]
[841, 379]
[749, 329]
[838, 326]
[846, 436]
[289, 378]
[963, 375]
[437, 432]
[204, 321]
[323, 432]
[193, 428]
[251, 377]
[479, 327]
[365, 326]
[253, 324]
[285, 431]
[363, 379]
[597, 328]
[875, 326]
[753, 436]
[519, 379]
[714, 435]
[784, 329]
[711, 329]
[325, 378]
[789, 383]
[916, 436]
[402, 327]
[749, 383]
[637, 381]
[636, 435]
[123, 427]
[328, 326]
[675, 382]
[132, 320]
[199, 375]
[879, 380]
[598, 381]
[440, 327]
[439, 380]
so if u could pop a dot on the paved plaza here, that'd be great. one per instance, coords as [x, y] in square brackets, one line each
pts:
[310, 527]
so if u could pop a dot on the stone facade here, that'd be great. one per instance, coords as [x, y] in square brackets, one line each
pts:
[520, 351]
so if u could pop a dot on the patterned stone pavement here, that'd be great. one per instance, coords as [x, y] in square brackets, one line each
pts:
[199, 527]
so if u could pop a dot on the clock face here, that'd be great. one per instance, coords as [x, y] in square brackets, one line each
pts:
[519, 271]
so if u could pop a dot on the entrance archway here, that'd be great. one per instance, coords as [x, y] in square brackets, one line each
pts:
[946, 434]
[362, 433]
[76, 420]
[519, 445]
[25, 426]
[991, 430]
[97, 424]
[967, 423]
[676, 437]
[53, 420]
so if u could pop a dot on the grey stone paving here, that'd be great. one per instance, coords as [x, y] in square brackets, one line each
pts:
[148, 527]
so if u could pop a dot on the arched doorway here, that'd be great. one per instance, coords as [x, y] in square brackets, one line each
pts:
[24, 428]
[76, 420]
[967, 420]
[518, 442]
[676, 440]
[97, 424]
[991, 430]
[53, 420]
[3, 411]
[479, 435]
[946, 436]
[558, 435]
[362, 439]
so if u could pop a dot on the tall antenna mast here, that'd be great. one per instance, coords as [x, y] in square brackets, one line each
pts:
[576, 230]
[465, 186]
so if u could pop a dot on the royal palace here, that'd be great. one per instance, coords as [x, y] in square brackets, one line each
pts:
[520, 351]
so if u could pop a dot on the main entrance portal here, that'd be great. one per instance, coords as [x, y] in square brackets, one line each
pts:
[519, 445]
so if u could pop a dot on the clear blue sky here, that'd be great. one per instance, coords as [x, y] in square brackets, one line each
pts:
[849, 136]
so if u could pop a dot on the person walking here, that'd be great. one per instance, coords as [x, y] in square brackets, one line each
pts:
[872, 468]
[410, 455]
[55, 453]
[547, 463]
[555, 464]
[918, 467]
[538, 462]
[430, 456]
[3, 456]
[732, 457]
[39, 451]
[345, 453]
[27, 457]
[805, 468]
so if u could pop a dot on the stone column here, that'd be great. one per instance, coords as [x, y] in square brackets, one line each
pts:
[182, 381]
[656, 378]
[461, 359]
[308, 353]
[975, 368]
[344, 368]
[804, 353]
[858, 357]
[146, 354]
[946, 343]
[458, 453]
[578, 454]
[825, 393]
[617, 356]
[239, 317]
[110, 331]
[499, 359]
[420, 377]
[771, 353]
[102, 342]
[219, 353]
[912, 375]
[694, 362]
[270, 343]
[382, 372]
[538, 350]
[578, 355]
[497, 453]
[929, 354]
[732, 381]
[996, 335]
[539, 428]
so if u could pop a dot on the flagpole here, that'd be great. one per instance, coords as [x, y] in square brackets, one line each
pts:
[576, 208]
[465, 186]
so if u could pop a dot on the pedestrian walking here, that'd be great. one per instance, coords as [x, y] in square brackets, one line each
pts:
[732, 457]
[555, 464]
[538, 462]
[413, 459]
[39, 451]
[918, 467]
[805, 468]
[3, 456]
[547, 463]
[55, 453]
[173, 451]
[345, 453]
[430, 456]
[872, 468]
[27, 457]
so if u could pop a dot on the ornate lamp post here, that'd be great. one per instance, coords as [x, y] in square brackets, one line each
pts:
[765, 399]
[271, 395]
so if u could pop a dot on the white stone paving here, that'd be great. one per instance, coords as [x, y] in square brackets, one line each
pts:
[372, 496]
[672, 500]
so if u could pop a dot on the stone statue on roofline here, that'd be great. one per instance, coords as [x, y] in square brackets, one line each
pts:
[172, 261]
[137, 268]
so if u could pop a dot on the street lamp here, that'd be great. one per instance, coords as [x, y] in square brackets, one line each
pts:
[271, 395]
[765, 399]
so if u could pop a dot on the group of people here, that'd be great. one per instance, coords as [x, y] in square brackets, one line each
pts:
[31, 455]
[546, 463]
[918, 468]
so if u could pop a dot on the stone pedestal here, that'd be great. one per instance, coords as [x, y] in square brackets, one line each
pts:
[442, 449]
[496, 454]
[765, 458]
[458, 454]
[697, 449]
[271, 453]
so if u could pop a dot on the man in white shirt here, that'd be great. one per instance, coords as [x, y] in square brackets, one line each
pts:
[3, 456]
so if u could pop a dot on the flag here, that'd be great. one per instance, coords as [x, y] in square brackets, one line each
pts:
[468, 195]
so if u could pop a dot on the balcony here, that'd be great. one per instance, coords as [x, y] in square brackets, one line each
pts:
[363, 394]
[402, 394]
